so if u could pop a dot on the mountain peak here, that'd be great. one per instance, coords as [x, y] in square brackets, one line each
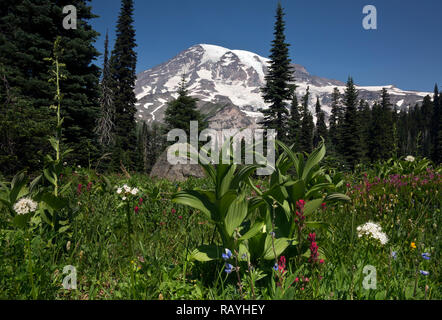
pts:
[219, 77]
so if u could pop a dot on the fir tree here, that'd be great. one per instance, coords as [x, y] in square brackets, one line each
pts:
[154, 143]
[321, 127]
[425, 126]
[364, 119]
[307, 126]
[23, 49]
[182, 110]
[387, 142]
[123, 67]
[278, 88]
[436, 127]
[334, 120]
[350, 129]
[375, 133]
[294, 123]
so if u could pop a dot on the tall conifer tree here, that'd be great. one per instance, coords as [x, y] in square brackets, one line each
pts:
[307, 126]
[123, 69]
[387, 140]
[294, 125]
[350, 130]
[334, 120]
[321, 127]
[28, 30]
[182, 110]
[436, 127]
[278, 89]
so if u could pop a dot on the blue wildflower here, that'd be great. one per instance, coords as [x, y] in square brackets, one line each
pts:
[227, 255]
[276, 267]
[394, 254]
[423, 272]
[229, 268]
[426, 256]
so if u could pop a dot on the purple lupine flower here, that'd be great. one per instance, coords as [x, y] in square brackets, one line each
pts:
[229, 268]
[227, 255]
[426, 256]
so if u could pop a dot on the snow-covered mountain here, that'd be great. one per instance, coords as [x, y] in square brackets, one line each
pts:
[221, 77]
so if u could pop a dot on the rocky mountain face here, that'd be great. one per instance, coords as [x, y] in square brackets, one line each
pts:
[227, 84]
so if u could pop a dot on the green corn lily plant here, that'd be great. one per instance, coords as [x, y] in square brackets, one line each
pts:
[307, 181]
[226, 206]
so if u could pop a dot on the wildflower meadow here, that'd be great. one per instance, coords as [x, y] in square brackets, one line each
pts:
[306, 232]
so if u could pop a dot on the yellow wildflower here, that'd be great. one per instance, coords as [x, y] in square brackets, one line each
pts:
[413, 245]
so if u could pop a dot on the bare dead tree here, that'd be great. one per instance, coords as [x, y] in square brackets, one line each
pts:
[105, 124]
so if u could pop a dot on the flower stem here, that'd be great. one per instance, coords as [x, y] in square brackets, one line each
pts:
[30, 272]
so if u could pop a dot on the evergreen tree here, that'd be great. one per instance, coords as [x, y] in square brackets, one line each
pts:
[364, 119]
[350, 129]
[334, 120]
[387, 141]
[294, 123]
[375, 133]
[321, 127]
[153, 144]
[307, 126]
[123, 67]
[403, 133]
[425, 126]
[182, 110]
[28, 30]
[278, 88]
[436, 127]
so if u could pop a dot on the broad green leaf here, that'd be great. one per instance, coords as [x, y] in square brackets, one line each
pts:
[63, 229]
[226, 181]
[311, 206]
[292, 156]
[235, 214]
[224, 203]
[206, 253]
[254, 230]
[197, 201]
[35, 182]
[55, 203]
[319, 187]
[18, 183]
[296, 191]
[49, 176]
[337, 197]
[21, 220]
[315, 157]
[280, 245]
[242, 175]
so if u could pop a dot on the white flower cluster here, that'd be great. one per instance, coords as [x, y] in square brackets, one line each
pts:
[24, 206]
[126, 190]
[372, 230]
[409, 158]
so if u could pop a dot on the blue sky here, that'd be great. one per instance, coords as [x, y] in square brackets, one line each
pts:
[326, 36]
